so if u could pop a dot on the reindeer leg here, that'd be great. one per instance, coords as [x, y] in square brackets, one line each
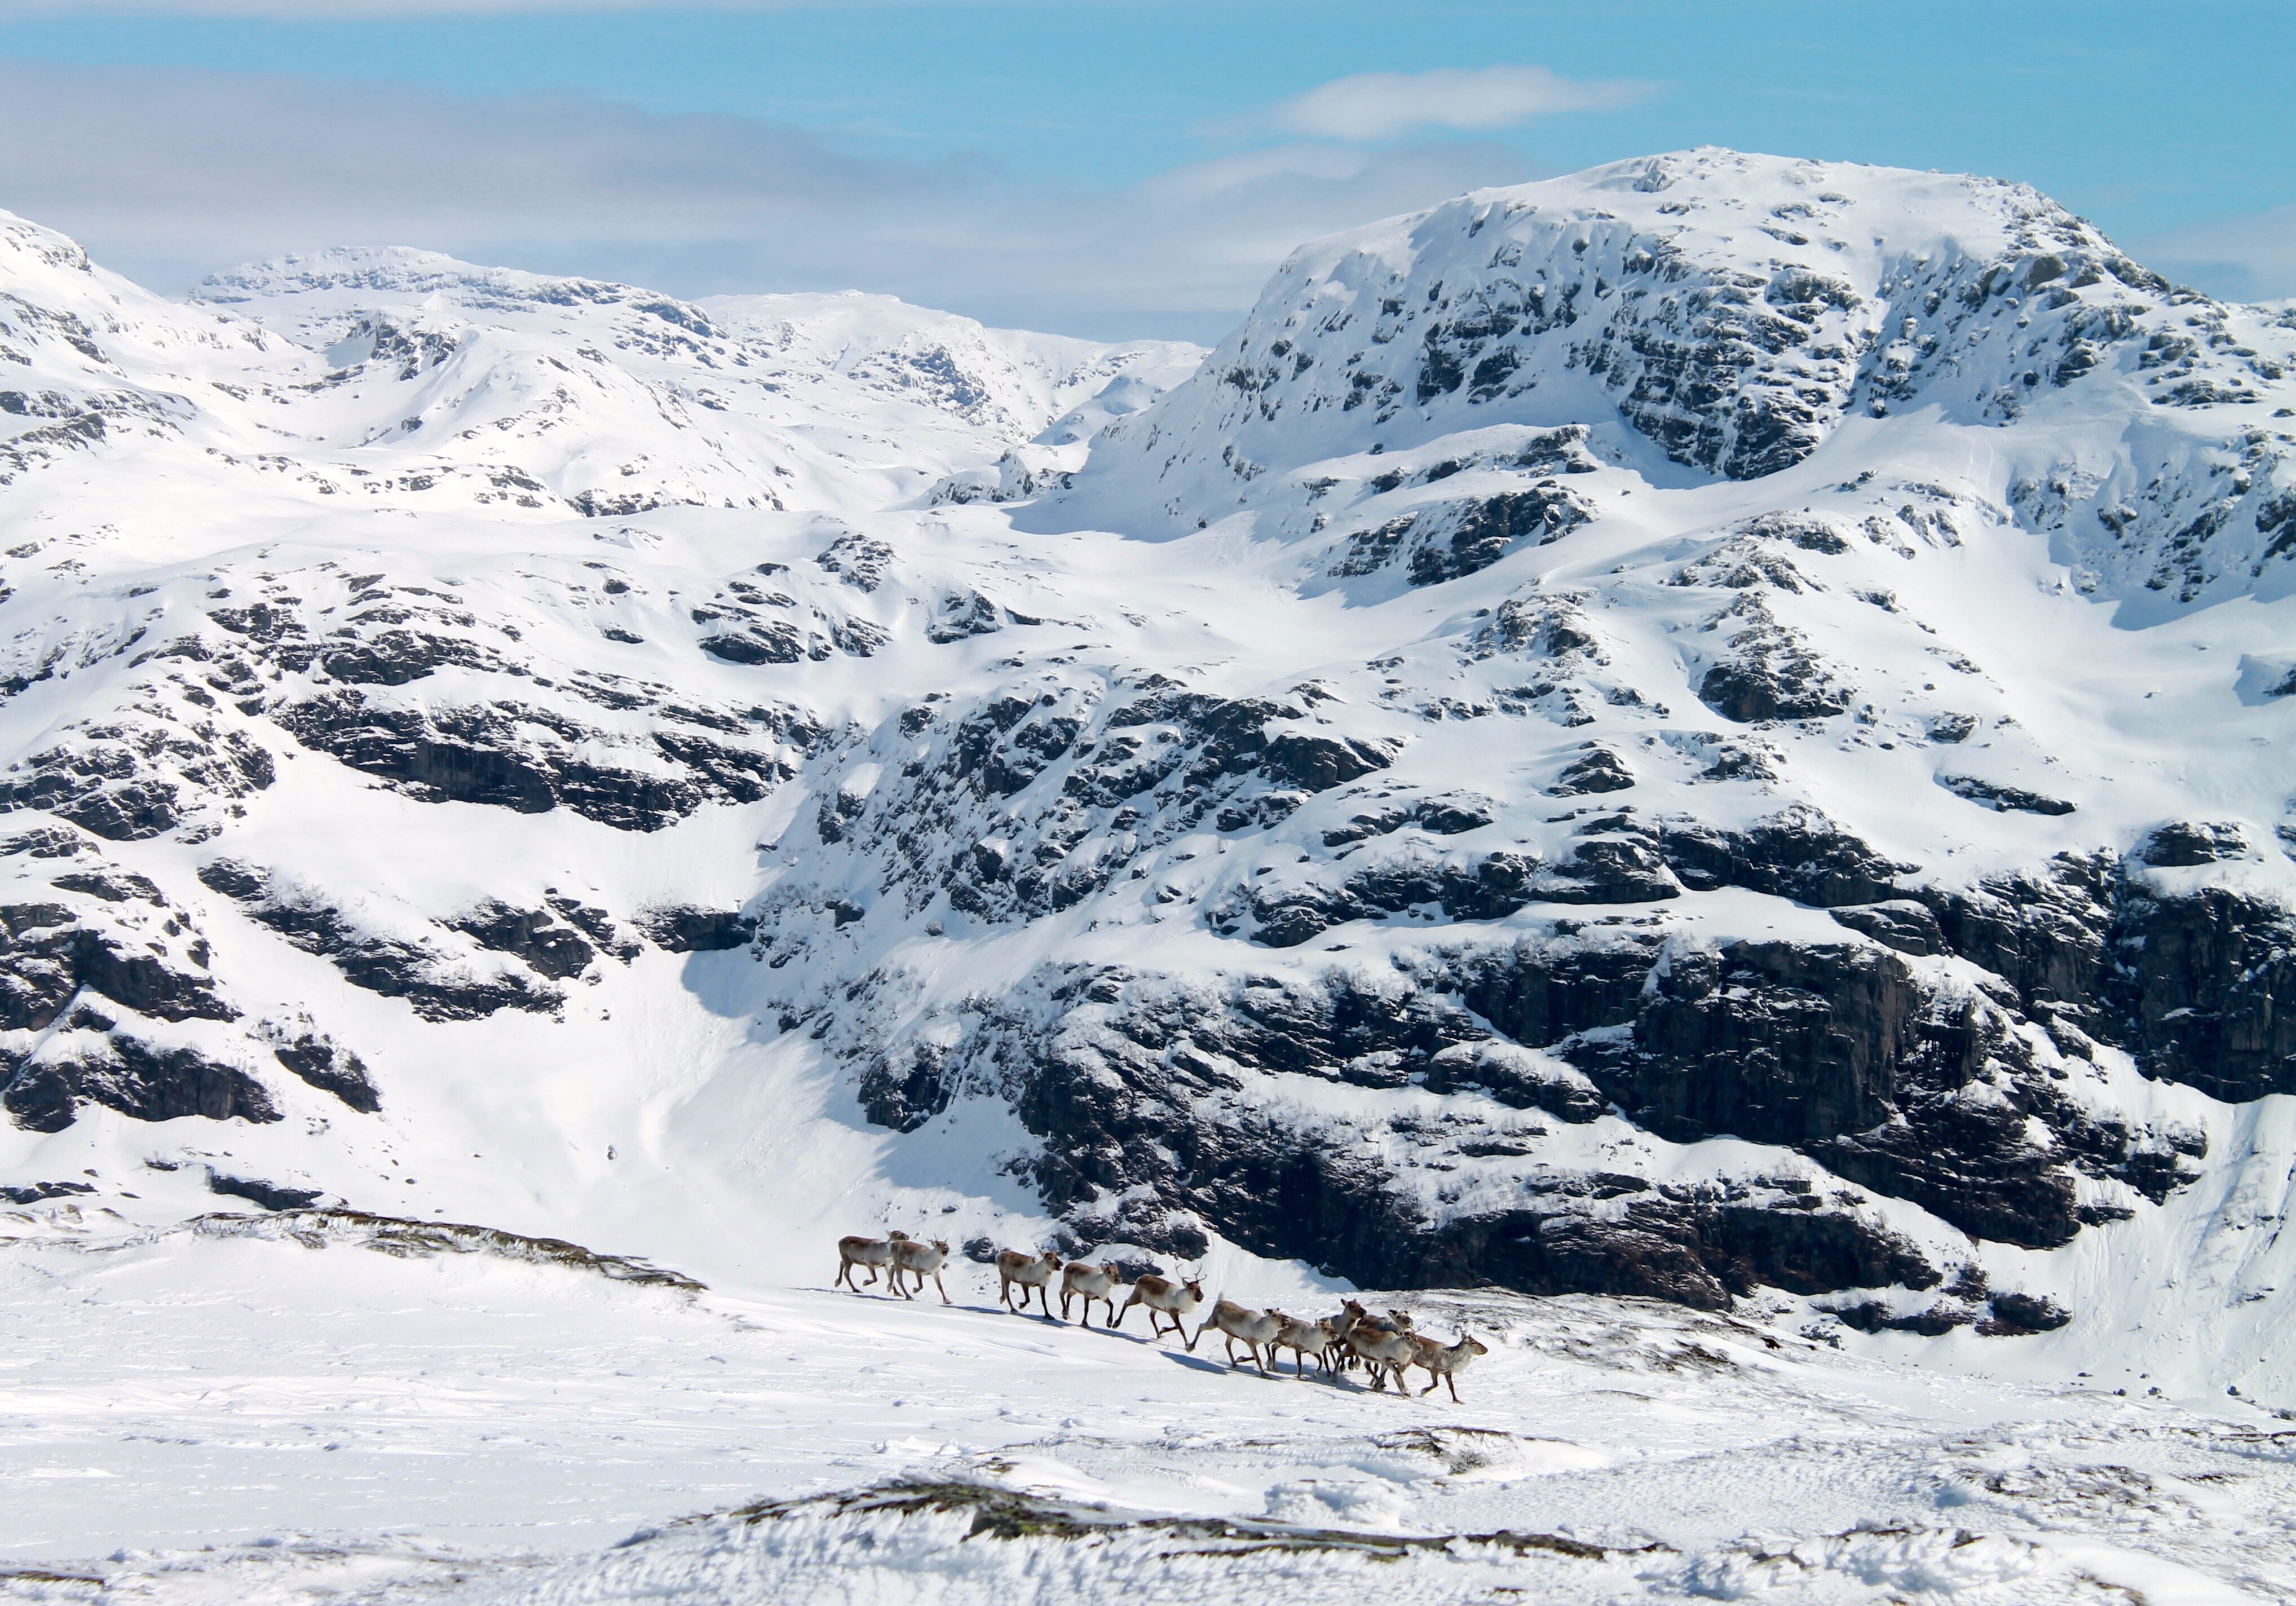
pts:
[940, 1285]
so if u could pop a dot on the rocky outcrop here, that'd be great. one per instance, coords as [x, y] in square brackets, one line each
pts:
[135, 1077]
[2192, 981]
[1162, 1113]
[488, 755]
[430, 979]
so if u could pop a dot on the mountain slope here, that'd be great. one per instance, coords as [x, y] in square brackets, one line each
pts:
[1718, 723]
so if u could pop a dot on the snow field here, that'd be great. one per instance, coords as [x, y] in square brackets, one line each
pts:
[234, 1418]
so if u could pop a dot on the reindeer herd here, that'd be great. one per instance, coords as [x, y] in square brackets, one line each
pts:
[1385, 1346]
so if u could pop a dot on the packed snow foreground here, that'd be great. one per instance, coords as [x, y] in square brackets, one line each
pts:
[1689, 765]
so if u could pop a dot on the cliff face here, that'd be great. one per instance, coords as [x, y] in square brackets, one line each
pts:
[1720, 723]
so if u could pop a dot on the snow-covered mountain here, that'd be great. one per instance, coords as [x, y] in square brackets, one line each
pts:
[1721, 722]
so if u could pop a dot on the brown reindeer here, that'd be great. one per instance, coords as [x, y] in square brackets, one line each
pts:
[1017, 1269]
[871, 1255]
[1240, 1323]
[1444, 1363]
[919, 1259]
[1353, 1316]
[1164, 1298]
[1088, 1284]
[1304, 1338]
[1383, 1352]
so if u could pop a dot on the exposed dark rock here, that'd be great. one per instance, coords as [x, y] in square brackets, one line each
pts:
[1514, 1077]
[1797, 853]
[26, 1193]
[44, 842]
[394, 1236]
[2015, 1314]
[47, 957]
[2190, 983]
[1443, 816]
[2201, 983]
[905, 1089]
[1777, 1042]
[128, 780]
[765, 642]
[859, 560]
[685, 930]
[330, 1067]
[114, 887]
[1472, 536]
[1901, 924]
[271, 1196]
[2003, 800]
[137, 1079]
[595, 925]
[2186, 843]
[1933, 1320]
[1600, 770]
[553, 950]
[1772, 686]
[962, 615]
[430, 980]
[395, 656]
[477, 754]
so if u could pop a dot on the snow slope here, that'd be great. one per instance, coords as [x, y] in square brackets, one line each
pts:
[1713, 730]
[489, 1429]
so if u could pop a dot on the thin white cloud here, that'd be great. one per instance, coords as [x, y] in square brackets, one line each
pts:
[2249, 258]
[166, 175]
[1479, 100]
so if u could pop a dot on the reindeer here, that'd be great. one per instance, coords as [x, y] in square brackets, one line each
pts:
[920, 1260]
[870, 1254]
[1165, 1297]
[1383, 1351]
[1304, 1338]
[1088, 1284]
[1015, 1269]
[1254, 1327]
[1444, 1363]
[1353, 1315]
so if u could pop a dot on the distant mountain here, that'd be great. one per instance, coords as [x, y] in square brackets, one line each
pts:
[1719, 724]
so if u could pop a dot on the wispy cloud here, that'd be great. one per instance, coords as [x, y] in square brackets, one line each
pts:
[2251, 258]
[169, 174]
[1476, 99]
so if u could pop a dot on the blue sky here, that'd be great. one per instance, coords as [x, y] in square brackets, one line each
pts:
[1105, 167]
